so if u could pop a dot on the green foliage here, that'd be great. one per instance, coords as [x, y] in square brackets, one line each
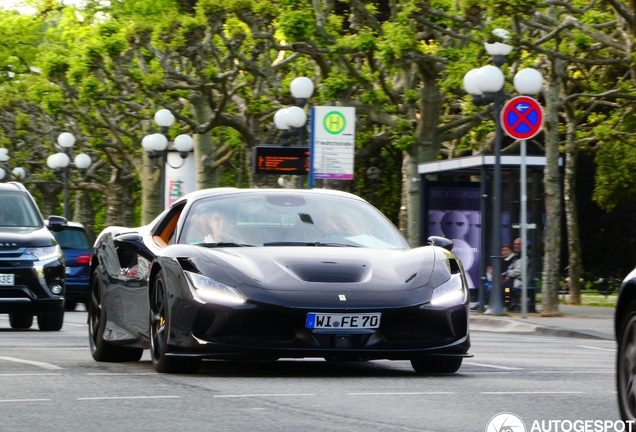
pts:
[296, 24]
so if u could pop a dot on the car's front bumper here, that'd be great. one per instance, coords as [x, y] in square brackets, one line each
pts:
[215, 331]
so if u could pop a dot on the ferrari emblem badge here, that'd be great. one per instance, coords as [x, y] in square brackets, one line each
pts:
[342, 297]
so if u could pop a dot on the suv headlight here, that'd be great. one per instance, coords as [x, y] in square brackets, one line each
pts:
[45, 253]
[450, 293]
[214, 291]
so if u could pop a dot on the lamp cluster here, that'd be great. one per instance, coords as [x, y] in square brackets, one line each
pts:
[294, 117]
[17, 172]
[60, 161]
[157, 144]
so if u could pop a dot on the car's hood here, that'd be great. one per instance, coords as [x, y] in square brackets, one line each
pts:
[19, 237]
[302, 268]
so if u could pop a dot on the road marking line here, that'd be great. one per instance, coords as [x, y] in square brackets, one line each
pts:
[129, 397]
[25, 400]
[596, 348]
[264, 395]
[400, 393]
[492, 366]
[575, 372]
[530, 392]
[123, 374]
[31, 362]
[28, 374]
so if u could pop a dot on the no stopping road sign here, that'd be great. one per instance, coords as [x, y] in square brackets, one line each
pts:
[522, 117]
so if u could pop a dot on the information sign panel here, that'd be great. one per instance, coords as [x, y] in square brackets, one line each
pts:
[270, 159]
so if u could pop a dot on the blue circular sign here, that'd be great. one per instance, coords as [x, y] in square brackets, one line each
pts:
[522, 117]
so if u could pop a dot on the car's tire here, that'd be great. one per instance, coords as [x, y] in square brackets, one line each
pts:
[159, 328]
[51, 321]
[626, 364]
[101, 350]
[21, 320]
[435, 365]
[70, 305]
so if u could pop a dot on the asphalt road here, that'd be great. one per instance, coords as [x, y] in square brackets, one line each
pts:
[49, 382]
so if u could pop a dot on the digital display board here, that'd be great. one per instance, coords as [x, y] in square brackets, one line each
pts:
[269, 159]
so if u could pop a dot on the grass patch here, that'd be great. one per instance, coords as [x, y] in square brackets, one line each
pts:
[589, 299]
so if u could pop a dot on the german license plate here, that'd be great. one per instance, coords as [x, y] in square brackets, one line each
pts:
[6, 279]
[343, 321]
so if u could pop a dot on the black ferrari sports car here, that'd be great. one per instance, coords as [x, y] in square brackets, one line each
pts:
[256, 274]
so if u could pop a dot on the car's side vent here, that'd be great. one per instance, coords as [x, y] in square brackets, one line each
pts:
[453, 265]
[188, 265]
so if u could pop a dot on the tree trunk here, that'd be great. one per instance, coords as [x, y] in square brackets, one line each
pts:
[50, 193]
[84, 213]
[204, 149]
[551, 180]
[571, 214]
[151, 190]
[119, 200]
[425, 149]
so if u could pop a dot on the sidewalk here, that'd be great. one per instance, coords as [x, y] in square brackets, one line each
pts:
[588, 322]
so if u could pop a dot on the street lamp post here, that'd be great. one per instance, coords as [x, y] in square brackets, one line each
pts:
[486, 84]
[293, 120]
[60, 163]
[157, 147]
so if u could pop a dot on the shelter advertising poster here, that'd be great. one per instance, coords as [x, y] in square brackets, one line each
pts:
[454, 213]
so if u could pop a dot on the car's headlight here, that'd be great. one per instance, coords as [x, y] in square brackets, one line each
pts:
[214, 291]
[449, 293]
[45, 253]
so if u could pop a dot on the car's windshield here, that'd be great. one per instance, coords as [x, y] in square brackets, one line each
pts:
[72, 238]
[289, 219]
[17, 210]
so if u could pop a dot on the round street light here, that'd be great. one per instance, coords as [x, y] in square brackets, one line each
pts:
[3, 174]
[490, 79]
[528, 81]
[82, 162]
[4, 155]
[470, 83]
[164, 118]
[280, 119]
[66, 140]
[295, 117]
[19, 172]
[302, 88]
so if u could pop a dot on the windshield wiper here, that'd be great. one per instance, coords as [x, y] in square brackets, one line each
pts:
[224, 244]
[291, 243]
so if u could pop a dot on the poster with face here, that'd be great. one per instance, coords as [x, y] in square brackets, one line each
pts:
[454, 213]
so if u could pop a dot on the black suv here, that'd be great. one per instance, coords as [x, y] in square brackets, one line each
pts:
[32, 272]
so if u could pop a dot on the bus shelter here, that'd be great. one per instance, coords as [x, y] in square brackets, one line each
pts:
[456, 203]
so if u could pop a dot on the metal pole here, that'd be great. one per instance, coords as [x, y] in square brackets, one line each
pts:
[524, 234]
[65, 175]
[496, 297]
[164, 158]
[483, 247]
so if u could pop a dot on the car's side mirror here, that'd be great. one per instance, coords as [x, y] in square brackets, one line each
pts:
[57, 223]
[441, 242]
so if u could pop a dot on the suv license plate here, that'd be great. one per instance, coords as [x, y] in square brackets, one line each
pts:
[6, 280]
[343, 321]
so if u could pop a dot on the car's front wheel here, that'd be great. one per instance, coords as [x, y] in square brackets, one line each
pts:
[101, 350]
[435, 365]
[21, 320]
[51, 321]
[626, 364]
[159, 327]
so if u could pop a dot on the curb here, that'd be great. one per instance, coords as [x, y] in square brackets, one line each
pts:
[508, 325]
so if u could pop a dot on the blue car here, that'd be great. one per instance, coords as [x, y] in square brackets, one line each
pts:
[77, 252]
